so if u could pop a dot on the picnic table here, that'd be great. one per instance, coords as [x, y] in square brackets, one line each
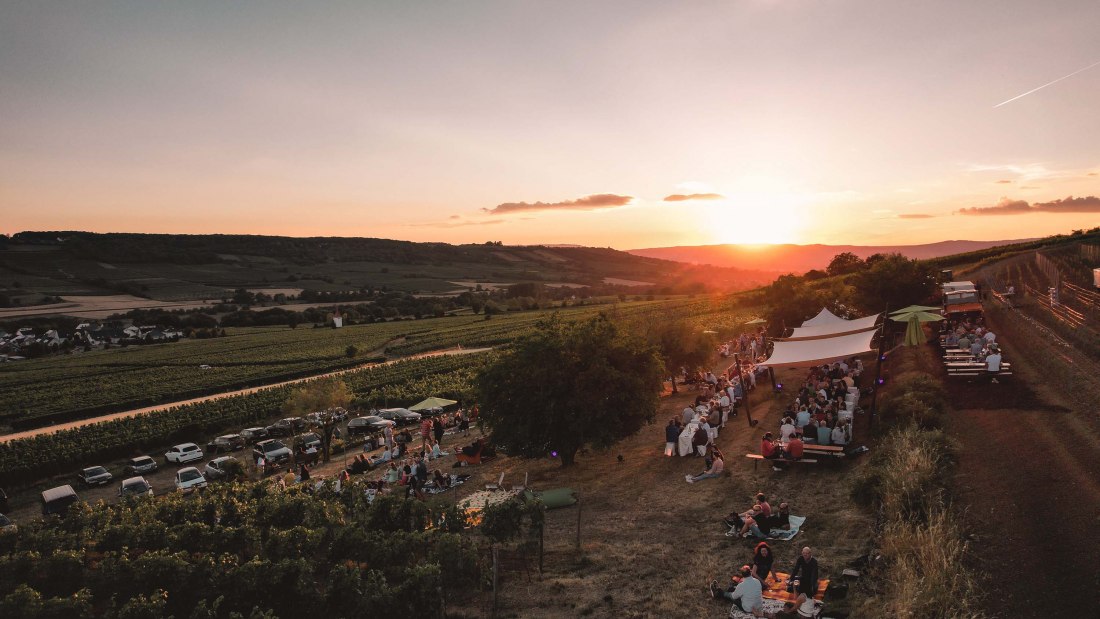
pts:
[975, 368]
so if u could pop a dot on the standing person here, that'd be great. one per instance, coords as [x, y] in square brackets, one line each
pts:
[672, 433]
[303, 473]
[437, 430]
[425, 433]
[993, 363]
[387, 435]
[463, 424]
[261, 465]
[806, 573]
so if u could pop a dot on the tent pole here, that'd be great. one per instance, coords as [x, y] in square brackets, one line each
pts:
[878, 366]
[744, 390]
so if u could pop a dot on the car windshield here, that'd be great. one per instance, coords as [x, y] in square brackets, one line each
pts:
[189, 475]
[273, 445]
[95, 470]
[141, 461]
[136, 487]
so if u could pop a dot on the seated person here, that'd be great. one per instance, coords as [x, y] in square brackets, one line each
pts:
[768, 448]
[787, 429]
[744, 591]
[472, 449]
[781, 519]
[795, 447]
[440, 481]
[842, 433]
[803, 418]
[824, 434]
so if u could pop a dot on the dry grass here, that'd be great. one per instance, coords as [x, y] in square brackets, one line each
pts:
[651, 542]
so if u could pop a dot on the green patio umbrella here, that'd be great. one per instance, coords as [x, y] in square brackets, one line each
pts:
[432, 403]
[914, 308]
[921, 316]
[914, 334]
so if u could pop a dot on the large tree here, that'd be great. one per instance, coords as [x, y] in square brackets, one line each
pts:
[679, 344]
[570, 385]
[320, 396]
[894, 281]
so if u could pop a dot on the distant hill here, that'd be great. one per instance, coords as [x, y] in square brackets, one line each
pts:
[801, 258]
[178, 267]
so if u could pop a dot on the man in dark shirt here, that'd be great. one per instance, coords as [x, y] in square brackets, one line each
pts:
[806, 572]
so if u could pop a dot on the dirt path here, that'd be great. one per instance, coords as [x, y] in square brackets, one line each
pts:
[1029, 478]
[149, 409]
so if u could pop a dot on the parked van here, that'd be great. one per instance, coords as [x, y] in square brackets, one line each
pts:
[57, 500]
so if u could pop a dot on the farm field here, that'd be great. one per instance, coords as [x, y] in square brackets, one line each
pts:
[39, 391]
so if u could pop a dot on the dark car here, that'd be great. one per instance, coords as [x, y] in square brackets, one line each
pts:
[95, 476]
[135, 487]
[57, 500]
[272, 451]
[287, 427]
[254, 434]
[7, 525]
[309, 440]
[400, 415]
[226, 442]
[368, 425]
[140, 465]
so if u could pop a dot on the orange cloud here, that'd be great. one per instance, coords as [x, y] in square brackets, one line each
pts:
[915, 216]
[1087, 204]
[679, 197]
[587, 203]
[1003, 182]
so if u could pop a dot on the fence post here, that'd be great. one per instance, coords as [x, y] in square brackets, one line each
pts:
[578, 523]
[495, 571]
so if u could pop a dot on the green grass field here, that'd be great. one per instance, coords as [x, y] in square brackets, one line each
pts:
[38, 391]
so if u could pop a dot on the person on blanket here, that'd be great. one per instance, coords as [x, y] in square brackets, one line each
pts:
[805, 573]
[744, 591]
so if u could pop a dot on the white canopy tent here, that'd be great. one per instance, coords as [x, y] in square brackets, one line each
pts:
[824, 317]
[843, 327]
[802, 353]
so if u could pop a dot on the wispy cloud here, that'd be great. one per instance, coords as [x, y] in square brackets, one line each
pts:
[915, 216]
[1087, 204]
[587, 203]
[452, 223]
[1003, 182]
[684, 197]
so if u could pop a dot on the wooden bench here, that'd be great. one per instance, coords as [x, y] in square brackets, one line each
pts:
[974, 369]
[828, 449]
[756, 458]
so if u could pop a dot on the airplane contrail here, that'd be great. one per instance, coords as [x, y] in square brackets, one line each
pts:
[1048, 84]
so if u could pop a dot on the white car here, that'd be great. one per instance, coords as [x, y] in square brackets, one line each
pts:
[189, 478]
[182, 454]
[216, 468]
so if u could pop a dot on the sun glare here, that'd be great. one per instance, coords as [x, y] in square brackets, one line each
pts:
[756, 219]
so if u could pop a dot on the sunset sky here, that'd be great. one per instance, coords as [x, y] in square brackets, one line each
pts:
[628, 124]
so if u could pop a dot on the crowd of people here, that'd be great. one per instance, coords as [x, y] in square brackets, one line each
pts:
[399, 465]
[747, 586]
[969, 335]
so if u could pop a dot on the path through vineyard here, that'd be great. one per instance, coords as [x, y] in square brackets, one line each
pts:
[159, 407]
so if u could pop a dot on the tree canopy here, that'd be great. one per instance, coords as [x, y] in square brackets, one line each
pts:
[893, 281]
[567, 386]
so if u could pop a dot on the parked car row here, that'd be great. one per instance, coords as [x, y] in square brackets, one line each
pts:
[56, 500]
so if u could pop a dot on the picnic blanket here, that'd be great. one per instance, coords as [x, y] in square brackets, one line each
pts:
[770, 606]
[778, 591]
[783, 535]
[788, 535]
